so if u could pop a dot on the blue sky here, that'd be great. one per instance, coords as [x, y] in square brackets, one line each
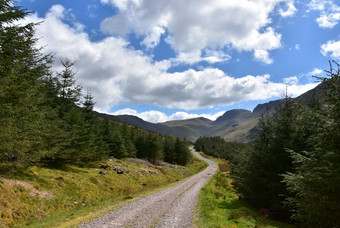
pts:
[172, 59]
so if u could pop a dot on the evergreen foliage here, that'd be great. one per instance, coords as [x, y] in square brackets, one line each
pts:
[315, 181]
[258, 172]
[22, 120]
[45, 121]
[218, 147]
[182, 153]
[293, 167]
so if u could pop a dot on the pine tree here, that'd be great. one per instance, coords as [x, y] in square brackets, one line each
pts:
[154, 150]
[258, 172]
[69, 92]
[78, 143]
[315, 181]
[169, 150]
[88, 102]
[183, 155]
[22, 66]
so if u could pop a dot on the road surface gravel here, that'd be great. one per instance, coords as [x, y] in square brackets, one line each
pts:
[171, 207]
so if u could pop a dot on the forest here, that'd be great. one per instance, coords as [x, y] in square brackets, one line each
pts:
[46, 120]
[217, 147]
[292, 169]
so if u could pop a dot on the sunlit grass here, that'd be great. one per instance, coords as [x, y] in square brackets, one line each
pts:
[219, 206]
[78, 194]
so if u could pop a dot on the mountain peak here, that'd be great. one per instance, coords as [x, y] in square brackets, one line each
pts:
[234, 115]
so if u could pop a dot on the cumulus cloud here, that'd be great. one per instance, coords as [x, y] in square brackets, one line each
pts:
[117, 73]
[329, 12]
[191, 26]
[263, 55]
[315, 71]
[291, 80]
[160, 117]
[332, 47]
[210, 56]
[289, 10]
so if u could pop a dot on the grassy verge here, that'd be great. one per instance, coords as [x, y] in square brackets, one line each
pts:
[43, 197]
[217, 160]
[220, 206]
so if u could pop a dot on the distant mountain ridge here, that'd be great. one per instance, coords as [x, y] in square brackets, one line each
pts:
[234, 125]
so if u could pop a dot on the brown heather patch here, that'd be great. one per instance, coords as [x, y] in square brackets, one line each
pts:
[32, 190]
[224, 167]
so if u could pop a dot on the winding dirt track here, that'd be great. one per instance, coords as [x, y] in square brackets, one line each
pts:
[171, 207]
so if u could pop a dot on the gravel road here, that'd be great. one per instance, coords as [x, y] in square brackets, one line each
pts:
[171, 207]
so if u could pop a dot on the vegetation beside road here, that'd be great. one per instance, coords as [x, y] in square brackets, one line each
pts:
[219, 204]
[47, 120]
[51, 141]
[292, 169]
[44, 197]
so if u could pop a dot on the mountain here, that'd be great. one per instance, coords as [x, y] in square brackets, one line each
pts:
[234, 125]
[138, 122]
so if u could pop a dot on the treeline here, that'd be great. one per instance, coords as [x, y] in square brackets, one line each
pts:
[217, 147]
[45, 120]
[293, 168]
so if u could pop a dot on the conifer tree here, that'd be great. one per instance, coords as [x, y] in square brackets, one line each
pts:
[69, 92]
[315, 181]
[183, 155]
[169, 150]
[258, 172]
[22, 122]
[88, 102]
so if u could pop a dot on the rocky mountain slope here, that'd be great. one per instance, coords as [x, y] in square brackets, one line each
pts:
[234, 125]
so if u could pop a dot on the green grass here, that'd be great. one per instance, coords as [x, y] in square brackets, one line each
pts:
[220, 206]
[217, 160]
[64, 198]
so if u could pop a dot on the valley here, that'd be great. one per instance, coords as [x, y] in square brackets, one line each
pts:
[237, 125]
[76, 76]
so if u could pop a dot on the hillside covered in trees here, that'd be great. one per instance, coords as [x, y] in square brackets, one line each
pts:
[292, 170]
[217, 147]
[46, 120]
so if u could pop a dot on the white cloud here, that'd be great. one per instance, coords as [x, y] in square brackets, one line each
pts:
[315, 71]
[160, 117]
[329, 12]
[121, 4]
[150, 116]
[263, 55]
[117, 73]
[290, 9]
[126, 111]
[332, 47]
[328, 21]
[297, 47]
[318, 4]
[210, 56]
[191, 26]
[152, 39]
[57, 11]
[291, 80]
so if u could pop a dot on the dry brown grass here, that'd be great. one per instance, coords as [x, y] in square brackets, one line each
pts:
[224, 167]
[33, 192]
